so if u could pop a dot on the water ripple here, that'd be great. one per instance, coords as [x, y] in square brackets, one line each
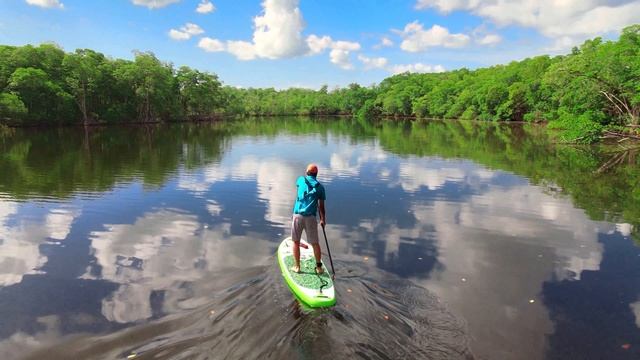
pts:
[251, 314]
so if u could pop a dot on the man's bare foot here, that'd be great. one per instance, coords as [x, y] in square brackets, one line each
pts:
[295, 268]
[319, 270]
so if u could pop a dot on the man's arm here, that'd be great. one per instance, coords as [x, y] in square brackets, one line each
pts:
[322, 213]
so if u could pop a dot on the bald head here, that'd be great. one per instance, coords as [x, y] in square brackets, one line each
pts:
[312, 170]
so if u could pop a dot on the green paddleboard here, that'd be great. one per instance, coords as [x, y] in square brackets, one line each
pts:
[312, 289]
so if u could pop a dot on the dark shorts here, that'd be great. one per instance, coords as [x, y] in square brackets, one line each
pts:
[307, 223]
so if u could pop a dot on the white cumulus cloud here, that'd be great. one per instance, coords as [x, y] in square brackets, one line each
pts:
[345, 45]
[46, 3]
[483, 36]
[185, 32]
[373, 63]
[154, 4]
[551, 18]
[340, 50]
[489, 39]
[383, 63]
[211, 45]
[243, 50]
[318, 44]
[446, 6]
[178, 35]
[205, 7]
[278, 34]
[415, 68]
[417, 39]
[340, 58]
[384, 42]
[278, 31]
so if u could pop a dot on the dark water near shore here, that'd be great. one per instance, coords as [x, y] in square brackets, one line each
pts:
[451, 240]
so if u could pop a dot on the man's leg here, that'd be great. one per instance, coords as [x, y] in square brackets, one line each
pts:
[297, 225]
[317, 252]
[311, 228]
[296, 256]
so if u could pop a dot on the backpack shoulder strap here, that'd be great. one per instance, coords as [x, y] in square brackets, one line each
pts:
[309, 184]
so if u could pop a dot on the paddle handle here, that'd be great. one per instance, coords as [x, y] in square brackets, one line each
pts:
[329, 251]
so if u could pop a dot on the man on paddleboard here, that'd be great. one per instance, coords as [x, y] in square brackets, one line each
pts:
[310, 199]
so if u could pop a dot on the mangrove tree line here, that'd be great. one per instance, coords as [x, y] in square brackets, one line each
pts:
[596, 86]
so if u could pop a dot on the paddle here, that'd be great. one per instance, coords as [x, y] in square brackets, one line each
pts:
[333, 277]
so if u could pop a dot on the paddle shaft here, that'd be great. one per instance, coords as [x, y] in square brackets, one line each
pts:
[329, 251]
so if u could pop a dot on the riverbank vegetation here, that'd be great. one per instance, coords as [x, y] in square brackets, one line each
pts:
[595, 88]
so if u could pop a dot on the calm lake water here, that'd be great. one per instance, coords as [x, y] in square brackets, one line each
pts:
[451, 240]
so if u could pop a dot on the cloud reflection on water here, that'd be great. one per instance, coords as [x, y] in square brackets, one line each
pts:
[19, 247]
[21, 238]
[171, 248]
[496, 245]
[414, 174]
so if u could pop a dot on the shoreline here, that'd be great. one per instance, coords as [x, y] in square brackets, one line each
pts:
[608, 137]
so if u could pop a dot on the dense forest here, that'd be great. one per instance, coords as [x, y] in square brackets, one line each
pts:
[593, 89]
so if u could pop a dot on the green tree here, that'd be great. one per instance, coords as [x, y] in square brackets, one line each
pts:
[7, 66]
[516, 105]
[153, 85]
[43, 98]
[11, 107]
[82, 69]
[200, 93]
[601, 78]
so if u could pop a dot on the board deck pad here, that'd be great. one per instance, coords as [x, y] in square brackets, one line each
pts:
[307, 276]
[315, 290]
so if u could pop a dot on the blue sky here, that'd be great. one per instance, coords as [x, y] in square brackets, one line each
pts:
[308, 43]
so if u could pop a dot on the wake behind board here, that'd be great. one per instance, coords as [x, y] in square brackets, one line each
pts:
[313, 289]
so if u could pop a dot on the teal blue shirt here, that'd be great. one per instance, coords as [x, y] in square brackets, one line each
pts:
[309, 192]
